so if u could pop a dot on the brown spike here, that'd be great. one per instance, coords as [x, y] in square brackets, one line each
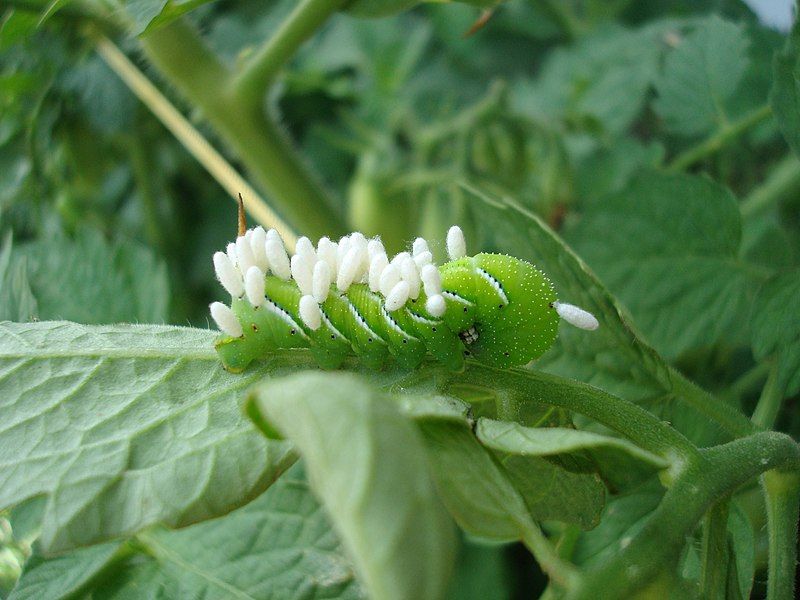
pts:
[242, 217]
[480, 22]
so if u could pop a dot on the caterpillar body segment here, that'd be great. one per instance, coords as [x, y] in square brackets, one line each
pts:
[495, 308]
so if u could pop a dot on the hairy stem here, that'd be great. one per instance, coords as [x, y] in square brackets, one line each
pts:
[179, 52]
[769, 403]
[724, 136]
[783, 181]
[259, 72]
[727, 417]
[782, 492]
[560, 571]
[624, 417]
[658, 544]
[714, 553]
[191, 139]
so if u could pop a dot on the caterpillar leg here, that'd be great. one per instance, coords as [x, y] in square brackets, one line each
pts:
[265, 329]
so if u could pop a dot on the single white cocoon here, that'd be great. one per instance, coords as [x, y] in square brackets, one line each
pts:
[376, 267]
[254, 285]
[310, 313]
[576, 316]
[257, 241]
[228, 275]
[389, 278]
[397, 297]
[374, 248]
[230, 250]
[431, 280]
[326, 250]
[225, 319]
[276, 255]
[423, 258]
[436, 305]
[341, 251]
[305, 248]
[409, 274]
[321, 281]
[419, 246]
[302, 274]
[348, 268]
[399, 258]
[456, 244]
[245, 253]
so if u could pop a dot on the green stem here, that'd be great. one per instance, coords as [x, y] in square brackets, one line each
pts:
[562, 16]
[559, 570]
[622, 416]
[179, 52]
[748, 382]
[783, 181]
[146, 186]
[260, 70]
[714, 554]
[769, 403]
[658, 544]
[782, 491]
[724, 136]
[727, 417]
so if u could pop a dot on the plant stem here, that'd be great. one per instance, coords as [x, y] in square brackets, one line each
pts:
[769, 403]
[727, 417]
[622, 416]
[724, 136]
[559, 570]
[191, 139]
[782, 491]
[783, 181]
[260, 70]
[657, 545]
[714, 556]
[179, 52]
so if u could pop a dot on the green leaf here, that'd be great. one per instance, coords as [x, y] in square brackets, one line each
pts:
[668, 245]
[785, 95]
[741, 550]
[536, 459]
[512, 438]
[149, 14]
[279, 544]
[122, 427]
[623, 517]
[776, 328]
[64, 576]
[90, 281]
[601, 83]
[367, 465]
[17, 302]
[700, 75]
[482, 573]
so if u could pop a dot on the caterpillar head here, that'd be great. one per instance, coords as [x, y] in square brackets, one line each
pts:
[514, 321]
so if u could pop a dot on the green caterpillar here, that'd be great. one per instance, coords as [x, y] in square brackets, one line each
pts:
[346, 298]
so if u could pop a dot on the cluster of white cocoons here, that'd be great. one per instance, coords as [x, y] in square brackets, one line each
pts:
[353, 259]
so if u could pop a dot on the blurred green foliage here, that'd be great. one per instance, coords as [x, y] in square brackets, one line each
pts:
[657, 137]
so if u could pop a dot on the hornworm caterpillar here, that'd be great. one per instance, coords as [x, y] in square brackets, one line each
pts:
[348, 297]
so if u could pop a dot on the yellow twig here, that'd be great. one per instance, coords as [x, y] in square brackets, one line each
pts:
[233, 183]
